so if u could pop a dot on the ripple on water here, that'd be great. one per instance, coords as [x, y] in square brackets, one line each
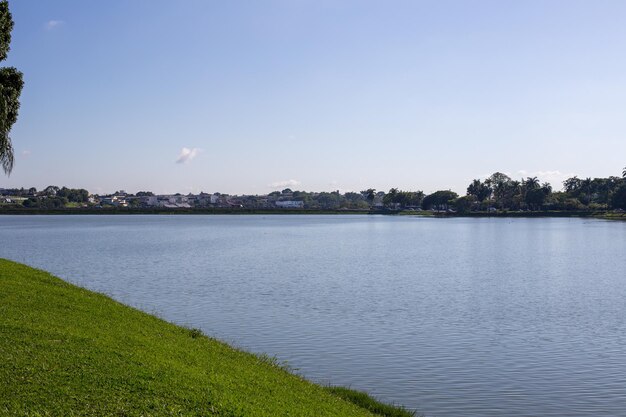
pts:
[472, 317]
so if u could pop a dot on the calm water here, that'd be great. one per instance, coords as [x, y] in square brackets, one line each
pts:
[456, 317]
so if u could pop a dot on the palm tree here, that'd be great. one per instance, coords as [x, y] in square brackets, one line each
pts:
[370, 195]
[572, 185]
[391, 197]
[624, 173]
[586, 188]
[480, 190]
[531, 183]
[547, 188]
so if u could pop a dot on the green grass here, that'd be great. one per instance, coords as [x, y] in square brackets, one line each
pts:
[613, 216]
[365, 401]
[67, 351]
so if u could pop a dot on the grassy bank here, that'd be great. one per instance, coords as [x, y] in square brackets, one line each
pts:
[613, 216]
[66, 351]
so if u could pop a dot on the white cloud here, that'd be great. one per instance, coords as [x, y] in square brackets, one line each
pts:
[187, 155]
[26, 153]
[53, 24]
[555, 178]
[285, 183]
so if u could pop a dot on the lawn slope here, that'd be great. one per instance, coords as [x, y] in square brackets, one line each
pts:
[66, 351]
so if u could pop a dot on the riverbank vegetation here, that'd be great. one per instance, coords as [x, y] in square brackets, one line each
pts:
[66, 351]
[498, 193]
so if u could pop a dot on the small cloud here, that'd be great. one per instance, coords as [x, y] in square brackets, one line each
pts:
[26, 153]
[53, 24]
[286, 183]
[187, 155]
[553, 177]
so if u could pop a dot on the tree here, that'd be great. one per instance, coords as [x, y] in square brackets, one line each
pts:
[535, 198]
[501, 185]
[464, 204]
[51, 190]
[480, 190]
[572, 185]
[532, 193]
[624, 173]
[72, 195]
[11, 84]
[439, 199]
[513, 195]
[370, 195]
[390, 197]
[531, 183]
[619, 197]
[586, 187]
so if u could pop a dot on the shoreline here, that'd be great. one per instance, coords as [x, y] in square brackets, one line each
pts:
[243, 211]
[67, 350]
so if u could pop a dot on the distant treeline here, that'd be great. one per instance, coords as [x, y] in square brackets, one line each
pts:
[51, 197]
[499, 193]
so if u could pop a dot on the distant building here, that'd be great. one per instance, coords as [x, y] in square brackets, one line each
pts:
[150, 201]
[290, 204]
[114, 200]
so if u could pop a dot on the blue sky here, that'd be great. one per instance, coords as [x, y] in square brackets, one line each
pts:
[248, 97]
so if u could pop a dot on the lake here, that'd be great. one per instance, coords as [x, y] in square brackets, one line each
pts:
[452, 317]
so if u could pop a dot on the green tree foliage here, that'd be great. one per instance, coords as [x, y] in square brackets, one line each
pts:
[329, 201]
[535, 198]
[534, 195]
[439, 200]
[596, 192]
[45, 203]
[410, 198]
[571, 185]
[10, 89]
[401, 199]
[74, 195]
[464, 204]
[370, 195]
[51, 190]
[531, 183]
[480, 190]
[501, 186]
[355, 201]
[619, 197]
[390, 198]
[586, 190]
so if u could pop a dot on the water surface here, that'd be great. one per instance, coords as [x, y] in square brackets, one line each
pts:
[471, 317]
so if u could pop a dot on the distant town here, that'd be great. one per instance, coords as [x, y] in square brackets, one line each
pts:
[497, 193]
